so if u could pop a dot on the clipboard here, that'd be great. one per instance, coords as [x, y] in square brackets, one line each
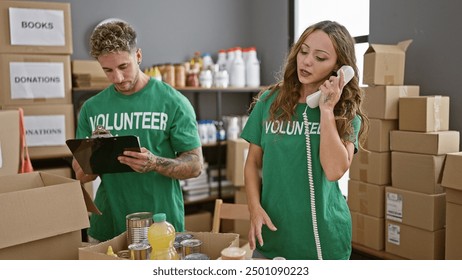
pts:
[99, 155]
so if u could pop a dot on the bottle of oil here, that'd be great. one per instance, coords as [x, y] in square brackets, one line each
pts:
[196, 61]
[161, 235]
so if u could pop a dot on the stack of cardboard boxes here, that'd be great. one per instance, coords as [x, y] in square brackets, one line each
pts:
[415, 203]
[42, 214]
[452, 183]
[35, 49]
[370, 171]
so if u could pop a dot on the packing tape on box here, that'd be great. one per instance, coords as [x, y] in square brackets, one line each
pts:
[360, 228]
[436, 113]
[363, 174]
[389, 79]
[362, 196]
[364, 160]
[402, 91]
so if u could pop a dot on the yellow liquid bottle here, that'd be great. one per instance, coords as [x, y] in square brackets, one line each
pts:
[161, 235]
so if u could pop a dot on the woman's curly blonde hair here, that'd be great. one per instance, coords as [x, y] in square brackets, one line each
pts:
[288, 88]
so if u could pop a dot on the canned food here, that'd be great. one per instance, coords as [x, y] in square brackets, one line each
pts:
[137, 226]
[139, 251]
[183, 236]
[197, 256]
[191, 246]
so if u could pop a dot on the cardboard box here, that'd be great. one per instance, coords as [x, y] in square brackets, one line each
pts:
[371, 167]
[414, 243]
[420, 210]
[42, 216]
[212, 244]
[236, 154]
[241, 227]
[368, 231]
[453, 232]
[47, 129]
[424, 113]
[378, 138]
[9, 142]
[35, 27]
[417, 172]
[198, 222]
[384, 64]
[35, 79]
[452, 175]
[88, 74]
[381, 102]
[431, 143]
[452, 183]
[367, 199]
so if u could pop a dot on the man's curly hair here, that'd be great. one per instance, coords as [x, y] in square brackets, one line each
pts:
[112, 37]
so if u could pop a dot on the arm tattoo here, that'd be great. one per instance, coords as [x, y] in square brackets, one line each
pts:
[186, 165]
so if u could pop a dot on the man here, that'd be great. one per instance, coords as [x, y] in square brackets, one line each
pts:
[160, 116]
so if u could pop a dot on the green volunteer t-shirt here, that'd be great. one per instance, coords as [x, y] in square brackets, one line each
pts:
[165, 122]
[285, 188]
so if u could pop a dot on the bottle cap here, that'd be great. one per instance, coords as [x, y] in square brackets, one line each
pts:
[159, 217]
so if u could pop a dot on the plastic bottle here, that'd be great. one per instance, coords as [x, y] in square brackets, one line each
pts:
[237, 75]
[252, 68]
[156, 73]
[196, 61]
[221, 60]
[229, 60]
[161, 235]
[202, 132]
[221, 133]
[211, 132]
[206, 78]
[207, 62]
[233, 129]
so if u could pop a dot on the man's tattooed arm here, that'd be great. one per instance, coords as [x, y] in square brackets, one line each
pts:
[186, 165]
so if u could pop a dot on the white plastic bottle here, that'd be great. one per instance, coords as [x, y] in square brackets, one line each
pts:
[229, 60]
[207, 61]
[252, 68]
[211, 132]
[237, 75]
[202, 132]
[206, 78]
[233, 129]
[221, 60]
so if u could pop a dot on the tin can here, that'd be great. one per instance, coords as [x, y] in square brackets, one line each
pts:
[139, 251]
[197, 256]
[191, 246]
[137, 226]
[180, 75]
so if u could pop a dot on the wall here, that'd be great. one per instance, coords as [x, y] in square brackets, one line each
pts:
[171, 30]
[434, 59]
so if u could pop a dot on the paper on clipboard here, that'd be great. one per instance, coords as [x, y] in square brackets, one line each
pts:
[99, 155]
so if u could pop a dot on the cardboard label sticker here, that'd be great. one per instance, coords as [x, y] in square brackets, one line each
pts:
[45, 130]
[394, 234]
[31, 80]
[394, 207]
[37, 27]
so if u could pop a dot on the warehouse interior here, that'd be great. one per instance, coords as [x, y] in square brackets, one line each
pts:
[170, 32]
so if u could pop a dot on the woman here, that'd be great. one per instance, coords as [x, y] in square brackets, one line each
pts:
[297, 153]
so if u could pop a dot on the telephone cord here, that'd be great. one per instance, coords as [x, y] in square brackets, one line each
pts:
[311, 184]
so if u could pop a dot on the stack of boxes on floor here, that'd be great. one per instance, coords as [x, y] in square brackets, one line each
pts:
[370, 171]
[452, 183]
[415, 203]
[35, 49]
[42, 214]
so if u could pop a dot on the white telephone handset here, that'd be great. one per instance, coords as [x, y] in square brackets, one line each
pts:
[348, 73]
